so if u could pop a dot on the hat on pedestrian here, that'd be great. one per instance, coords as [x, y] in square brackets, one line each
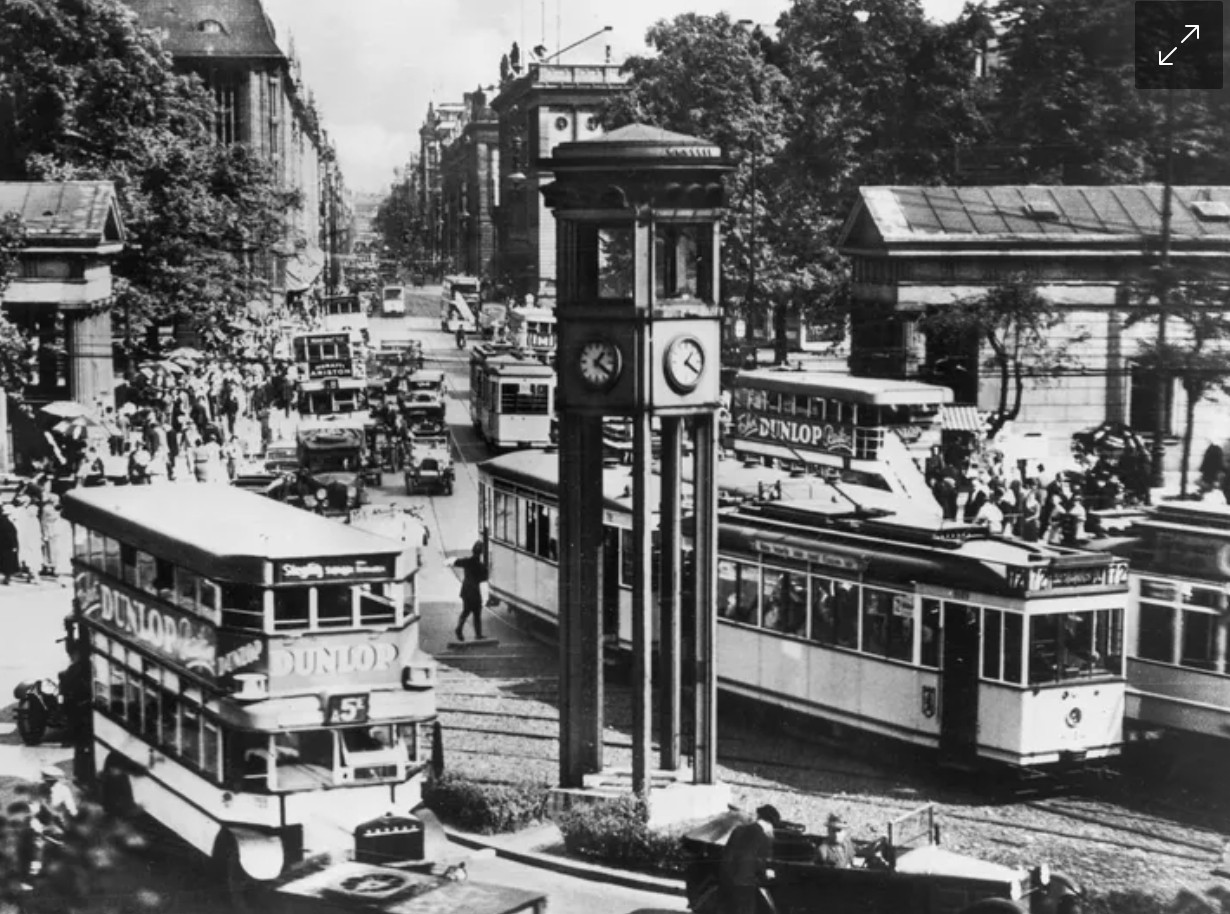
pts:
[478, 547]
[769, 814]
[52, 773]
[836, 821]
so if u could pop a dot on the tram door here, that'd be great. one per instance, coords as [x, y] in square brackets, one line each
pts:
[611, 563]
[959, 683]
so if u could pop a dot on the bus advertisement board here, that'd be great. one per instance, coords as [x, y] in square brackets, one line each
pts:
[175, 635]
[335, 568]
[360, 659]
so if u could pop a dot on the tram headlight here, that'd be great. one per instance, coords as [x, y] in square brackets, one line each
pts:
[1073, 717]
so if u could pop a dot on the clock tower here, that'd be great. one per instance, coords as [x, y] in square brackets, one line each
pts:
[638, 241]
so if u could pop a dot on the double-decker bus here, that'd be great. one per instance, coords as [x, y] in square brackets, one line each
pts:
[459, 302]
[512, 396]
[332, 369]
[340, 313]
[1178, 648]
[869, 431]
[258, 687]
[856, 609]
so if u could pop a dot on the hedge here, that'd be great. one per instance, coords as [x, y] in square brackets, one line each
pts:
[615, 833]
[483, 807]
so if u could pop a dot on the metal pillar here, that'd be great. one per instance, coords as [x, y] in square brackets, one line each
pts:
[642, 603]
[704, 612]
[670, 602]
[580, 599]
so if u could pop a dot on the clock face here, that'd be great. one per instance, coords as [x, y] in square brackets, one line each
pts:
[600, 363]
[685, 363]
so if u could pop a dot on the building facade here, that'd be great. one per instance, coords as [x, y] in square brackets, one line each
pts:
[259, 101]
[1086, 249]
[538, 109]
[440, 128]
[469, 166]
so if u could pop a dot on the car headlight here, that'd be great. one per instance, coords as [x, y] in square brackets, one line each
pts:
[1073, 717]
[321, 494]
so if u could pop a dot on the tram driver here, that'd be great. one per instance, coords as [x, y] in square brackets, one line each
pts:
[836, 848]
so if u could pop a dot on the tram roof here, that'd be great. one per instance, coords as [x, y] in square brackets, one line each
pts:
[222, 531]
[870, 391]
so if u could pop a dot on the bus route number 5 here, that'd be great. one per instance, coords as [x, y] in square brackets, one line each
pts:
[346, 709]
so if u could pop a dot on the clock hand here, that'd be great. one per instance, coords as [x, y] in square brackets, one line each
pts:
[690, 363]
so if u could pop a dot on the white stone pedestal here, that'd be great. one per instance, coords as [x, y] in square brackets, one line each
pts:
[673, 798]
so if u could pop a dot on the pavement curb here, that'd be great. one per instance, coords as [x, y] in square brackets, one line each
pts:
[567, 867]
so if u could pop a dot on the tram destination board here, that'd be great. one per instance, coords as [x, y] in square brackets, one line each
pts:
[351, 886]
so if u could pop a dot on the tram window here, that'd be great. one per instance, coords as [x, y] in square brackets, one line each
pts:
[1044, 649]
[1205, 597]
[784, 602]
[992, 630]
[1155, 632]
[1013, 628]
[334, 606]
[503, 515]
[1199, 640]
[243, 606]
[930, 648]
[1157, 590]
[846, 603]
[290, 608]
[627, 558]
[823, 611]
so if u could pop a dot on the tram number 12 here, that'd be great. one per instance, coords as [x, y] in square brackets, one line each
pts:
[346, 709]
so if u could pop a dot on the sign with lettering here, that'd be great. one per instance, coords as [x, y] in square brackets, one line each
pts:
[829, 559]
[1057, 577]
[173, 634]
[818, 436]
[342, 658]
[330, 368]
[362, 568]
[241, 656]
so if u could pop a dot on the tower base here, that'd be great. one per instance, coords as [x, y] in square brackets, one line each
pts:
[673, 798]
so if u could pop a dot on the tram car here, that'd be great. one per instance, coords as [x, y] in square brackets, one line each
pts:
[849, 607]
[1178, 659]
[512, 396]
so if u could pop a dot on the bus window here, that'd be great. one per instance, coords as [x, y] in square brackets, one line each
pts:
[372, 752]
[185, 589]
[101, 667]
[291, 608]
[211, 748]
[81, 542]
[190, 730]
[152, 699]
[334, 606]
[111, 556]
[170, 724]
[164, 580]
[147, 572]
[376, 609]
[243, 606]
[210, 603]
[304, 759]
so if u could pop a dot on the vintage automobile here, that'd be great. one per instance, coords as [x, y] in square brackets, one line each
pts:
[281, 456]
[430, 467]
[906, 872]
[422, 399]
[334, 461]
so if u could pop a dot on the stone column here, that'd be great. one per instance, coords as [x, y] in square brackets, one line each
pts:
[91, 376]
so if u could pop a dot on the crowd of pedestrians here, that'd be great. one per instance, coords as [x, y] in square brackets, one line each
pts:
[1022, 500]
[34, 538]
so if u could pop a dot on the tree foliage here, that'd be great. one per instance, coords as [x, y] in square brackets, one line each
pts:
[86, 94]
[14, 347]
[1021, 332]
[400, 224]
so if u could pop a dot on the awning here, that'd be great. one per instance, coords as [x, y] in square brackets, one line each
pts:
[960, 419]
[303, 268]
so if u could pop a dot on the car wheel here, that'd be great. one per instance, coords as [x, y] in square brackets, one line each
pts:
[31, 721]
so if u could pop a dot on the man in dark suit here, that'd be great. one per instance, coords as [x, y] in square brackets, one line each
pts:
[745, 862]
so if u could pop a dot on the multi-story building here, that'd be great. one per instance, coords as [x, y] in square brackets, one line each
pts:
[259, 101]
[469, 167]
[547, 104]
[440, 128]
[1088, 250]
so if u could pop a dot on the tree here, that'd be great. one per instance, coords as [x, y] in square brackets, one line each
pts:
[400, 224]
[1019, 327]
[14, 347]
[1199, 360]
[85, 94]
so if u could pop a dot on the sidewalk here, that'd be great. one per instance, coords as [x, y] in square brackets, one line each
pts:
[542, 846]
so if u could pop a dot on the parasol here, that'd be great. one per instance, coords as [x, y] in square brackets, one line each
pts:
[80, 427]
[64, 409]
[185, 354]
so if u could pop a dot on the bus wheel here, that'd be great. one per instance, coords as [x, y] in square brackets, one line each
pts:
[115, 789]
[237, 889]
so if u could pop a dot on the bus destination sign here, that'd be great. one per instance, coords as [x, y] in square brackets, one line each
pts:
[362, 568]
[330, 368]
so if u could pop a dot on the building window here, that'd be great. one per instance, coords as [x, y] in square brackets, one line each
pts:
[56, 269]
[1143, 416]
